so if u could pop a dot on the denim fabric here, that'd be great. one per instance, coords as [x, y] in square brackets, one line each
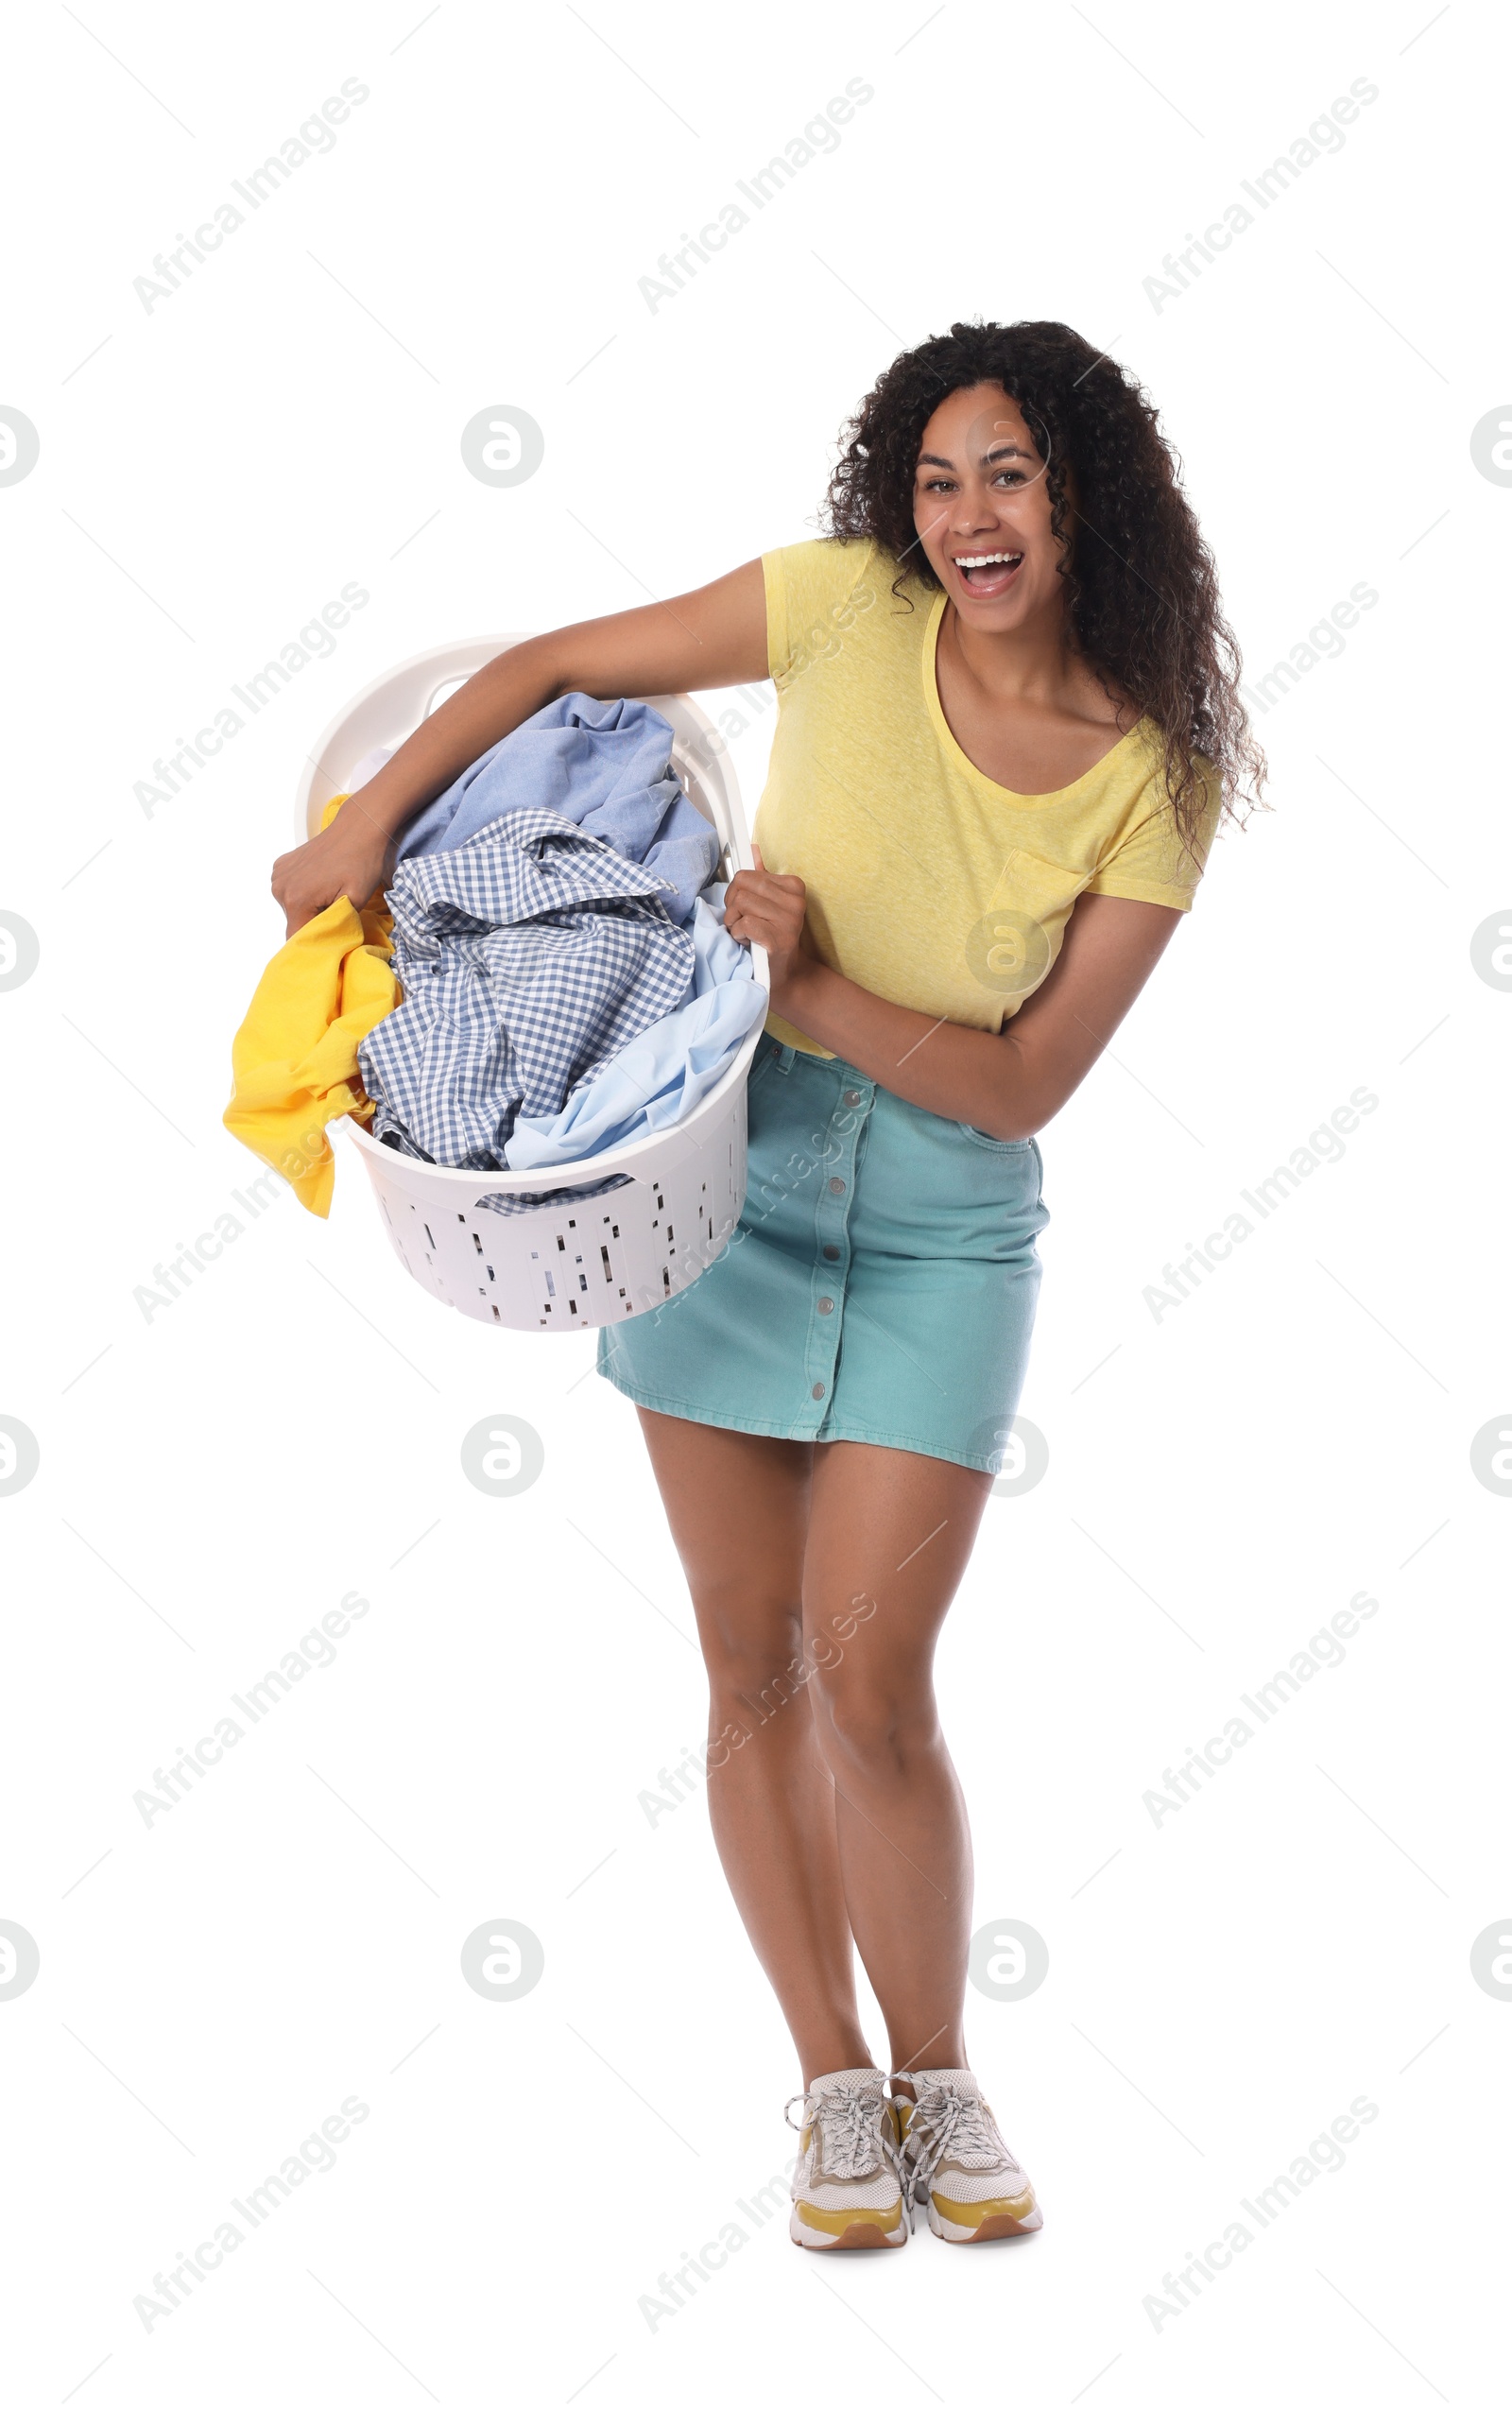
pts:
[881, 1283]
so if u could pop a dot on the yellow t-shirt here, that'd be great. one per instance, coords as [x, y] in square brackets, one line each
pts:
[927, 882]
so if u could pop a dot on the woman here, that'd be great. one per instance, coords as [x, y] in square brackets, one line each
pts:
[1008, 725]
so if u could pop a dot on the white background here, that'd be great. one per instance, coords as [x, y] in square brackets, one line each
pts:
[1222, 1480]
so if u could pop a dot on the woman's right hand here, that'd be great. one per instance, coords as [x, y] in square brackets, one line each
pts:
[353, 858]
[713, 637]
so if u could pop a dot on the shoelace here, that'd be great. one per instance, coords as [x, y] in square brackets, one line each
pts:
[854, 2132]
[944, 2121]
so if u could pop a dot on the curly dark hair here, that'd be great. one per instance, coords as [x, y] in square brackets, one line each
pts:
[1140, 588]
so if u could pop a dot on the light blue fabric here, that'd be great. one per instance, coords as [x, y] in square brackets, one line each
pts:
[607, 767]
[658, 1078]
[880, 1285]
[528, 959]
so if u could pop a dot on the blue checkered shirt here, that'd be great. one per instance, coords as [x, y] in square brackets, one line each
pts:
[526, 957]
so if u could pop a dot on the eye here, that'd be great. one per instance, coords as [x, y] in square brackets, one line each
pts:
[1011, 477]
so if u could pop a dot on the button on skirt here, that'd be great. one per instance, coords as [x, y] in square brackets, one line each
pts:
[880, 1285]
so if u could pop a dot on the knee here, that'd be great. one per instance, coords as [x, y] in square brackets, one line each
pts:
[751, 1639]
[873, 1729]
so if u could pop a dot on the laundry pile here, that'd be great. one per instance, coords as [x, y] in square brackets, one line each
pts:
[558, 976]
[606, 767]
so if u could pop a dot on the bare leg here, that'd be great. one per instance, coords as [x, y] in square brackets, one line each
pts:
[889, 1537]
[738, 1508]
[820, 1576]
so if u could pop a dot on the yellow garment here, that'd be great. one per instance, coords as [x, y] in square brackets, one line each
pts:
[294, 1060]
[927, 882]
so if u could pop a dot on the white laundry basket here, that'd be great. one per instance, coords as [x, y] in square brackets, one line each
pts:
[580, 1263]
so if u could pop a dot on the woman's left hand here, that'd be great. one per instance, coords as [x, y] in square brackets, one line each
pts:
[762, 907]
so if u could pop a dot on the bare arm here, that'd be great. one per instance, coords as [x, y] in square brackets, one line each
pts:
[715, 636]
[1009, 1085]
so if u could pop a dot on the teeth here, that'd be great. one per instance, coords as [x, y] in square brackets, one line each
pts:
[986, 559]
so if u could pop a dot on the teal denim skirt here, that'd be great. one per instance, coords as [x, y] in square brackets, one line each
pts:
[880, 1285]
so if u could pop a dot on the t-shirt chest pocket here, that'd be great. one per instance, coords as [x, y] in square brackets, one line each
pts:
[1016, 939]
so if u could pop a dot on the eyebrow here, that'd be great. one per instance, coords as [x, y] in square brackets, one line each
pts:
[997, 451]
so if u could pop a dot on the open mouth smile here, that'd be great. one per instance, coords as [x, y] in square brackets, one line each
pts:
[988, 572]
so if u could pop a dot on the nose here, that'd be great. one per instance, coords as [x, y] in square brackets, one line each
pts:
[972, 510]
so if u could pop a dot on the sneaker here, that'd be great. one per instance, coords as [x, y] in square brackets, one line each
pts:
[847, 2187]
[958, 2164]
